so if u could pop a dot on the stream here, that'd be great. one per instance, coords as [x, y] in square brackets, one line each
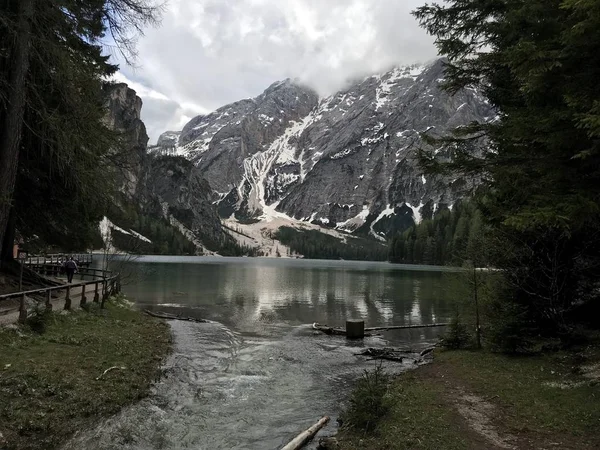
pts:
[258, 374]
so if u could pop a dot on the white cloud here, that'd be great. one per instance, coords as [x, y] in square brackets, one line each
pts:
[208, 53]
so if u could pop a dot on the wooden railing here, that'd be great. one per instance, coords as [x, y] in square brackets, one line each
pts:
[103, 288]
[56, 259]
[56, 270]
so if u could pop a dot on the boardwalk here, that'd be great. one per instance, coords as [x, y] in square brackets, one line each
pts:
[9, 309]
[96, 290]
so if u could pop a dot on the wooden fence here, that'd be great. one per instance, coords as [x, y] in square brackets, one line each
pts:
[102, 288]
[57, 259]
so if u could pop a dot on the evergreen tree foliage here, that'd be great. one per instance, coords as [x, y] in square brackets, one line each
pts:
[538, 64]
[447, 239]
[52, 135]
[316, 245]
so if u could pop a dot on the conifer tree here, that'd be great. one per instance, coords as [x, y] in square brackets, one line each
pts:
[537, 62]
[52, 133]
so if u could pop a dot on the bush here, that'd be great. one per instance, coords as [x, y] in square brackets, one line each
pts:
[509, 330]
[457, 335]
[38, 320]
[368, 402]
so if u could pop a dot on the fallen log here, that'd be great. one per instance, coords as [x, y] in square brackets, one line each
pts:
[300, 440]
[109, 369]
[328, 330]
[332, 330]
[168, 316]
[391, 354]
[404, 327]
[427, 351]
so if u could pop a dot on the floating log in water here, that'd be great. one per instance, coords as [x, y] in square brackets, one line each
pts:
[300, 440]
[328, 330]
[331, 330]
[340, 331]
[404, 327]
[168, 316]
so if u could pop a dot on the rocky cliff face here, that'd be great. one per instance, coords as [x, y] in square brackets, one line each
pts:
[123, 116]
[347, 161]
[174, 190]
[162, 187]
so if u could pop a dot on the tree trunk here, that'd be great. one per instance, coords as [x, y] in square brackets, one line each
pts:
[6, 252]
[12, 125]
[477, 324]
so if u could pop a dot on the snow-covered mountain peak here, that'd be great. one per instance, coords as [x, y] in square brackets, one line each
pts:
[347, 160]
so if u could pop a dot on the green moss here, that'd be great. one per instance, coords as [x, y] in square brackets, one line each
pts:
[51, 384]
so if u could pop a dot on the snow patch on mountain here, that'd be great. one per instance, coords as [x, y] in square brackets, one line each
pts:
[387, 212]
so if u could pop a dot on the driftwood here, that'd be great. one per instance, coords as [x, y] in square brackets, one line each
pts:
[405, 327]
[300, 440]
[332, 330]
[342, 332]
[427, 351]
[109, 369]
[391, 354]
[168, 316]
[395, 354]
[328, 330]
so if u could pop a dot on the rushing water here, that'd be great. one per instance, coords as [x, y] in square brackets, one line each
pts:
[258, 374]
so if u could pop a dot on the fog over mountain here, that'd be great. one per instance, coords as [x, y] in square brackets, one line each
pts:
[208, 53]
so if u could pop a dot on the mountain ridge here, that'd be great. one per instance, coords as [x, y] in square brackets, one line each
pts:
[346, 161]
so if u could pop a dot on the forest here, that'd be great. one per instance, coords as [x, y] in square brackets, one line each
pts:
[314, 244]
[444, 240]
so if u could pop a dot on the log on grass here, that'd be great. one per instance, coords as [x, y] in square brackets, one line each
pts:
[300, 440]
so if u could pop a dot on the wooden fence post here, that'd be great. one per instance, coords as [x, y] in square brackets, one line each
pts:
[22, 310]
[68, 298]
[48, 302]
[96, 294]
[83, 299]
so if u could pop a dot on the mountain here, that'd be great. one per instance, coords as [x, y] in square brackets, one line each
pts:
[347, 162]
[163, 204]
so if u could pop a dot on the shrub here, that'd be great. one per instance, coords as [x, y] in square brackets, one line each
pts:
[509, 328]
[457, 335]
[38, 320]
[368, 402]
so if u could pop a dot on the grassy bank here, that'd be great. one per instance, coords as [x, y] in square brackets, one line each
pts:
[52, 381]
[481, 400]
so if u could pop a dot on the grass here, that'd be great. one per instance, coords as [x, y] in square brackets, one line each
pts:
[51, 384]
[528, 403]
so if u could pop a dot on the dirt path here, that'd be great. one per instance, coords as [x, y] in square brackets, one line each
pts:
[482, 422]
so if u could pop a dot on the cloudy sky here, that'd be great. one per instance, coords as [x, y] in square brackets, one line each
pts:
[207, 53]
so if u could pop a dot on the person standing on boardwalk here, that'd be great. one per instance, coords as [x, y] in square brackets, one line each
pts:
[70, 268]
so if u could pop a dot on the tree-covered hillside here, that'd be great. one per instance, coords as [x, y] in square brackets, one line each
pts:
[445, 239]
[317, 245]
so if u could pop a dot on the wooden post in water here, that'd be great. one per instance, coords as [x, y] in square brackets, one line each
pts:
[83, 299]
[48, 302]
[22, 310]
[96, 294]
[68, 299]
[355, 329]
